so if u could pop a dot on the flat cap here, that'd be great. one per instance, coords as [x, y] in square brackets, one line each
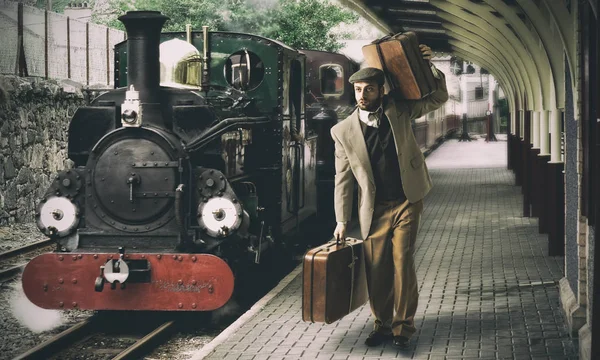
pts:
[368, 74]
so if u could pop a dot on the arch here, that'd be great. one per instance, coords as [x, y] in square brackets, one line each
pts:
[484, 52]
[476, 26]
[493, 65]
[566, 31]
[485, 21]
[554, 52]
[509, 91]
[541, 57]
[498, 74]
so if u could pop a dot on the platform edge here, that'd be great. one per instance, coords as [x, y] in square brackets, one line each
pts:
[255, 309]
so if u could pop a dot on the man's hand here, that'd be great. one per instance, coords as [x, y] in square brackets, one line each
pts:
[427, 53]
[339, 234]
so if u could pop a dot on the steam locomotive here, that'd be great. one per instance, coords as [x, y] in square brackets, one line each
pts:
[208, 153]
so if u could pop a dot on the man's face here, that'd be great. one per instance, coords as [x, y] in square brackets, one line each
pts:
[368, 95]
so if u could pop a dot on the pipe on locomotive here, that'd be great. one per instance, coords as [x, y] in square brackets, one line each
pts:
[143, 64]
[205, 78]
[223, 126]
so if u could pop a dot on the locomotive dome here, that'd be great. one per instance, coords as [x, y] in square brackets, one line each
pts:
[180, 64]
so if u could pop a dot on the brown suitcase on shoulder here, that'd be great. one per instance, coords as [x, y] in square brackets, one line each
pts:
[334, 281]
[401, 59]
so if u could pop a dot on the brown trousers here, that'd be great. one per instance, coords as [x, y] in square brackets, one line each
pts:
[390, 267]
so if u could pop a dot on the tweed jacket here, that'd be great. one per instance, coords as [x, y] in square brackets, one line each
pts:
[352, 162]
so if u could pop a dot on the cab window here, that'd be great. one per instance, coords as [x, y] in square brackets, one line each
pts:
[244, 70]
[332, 79]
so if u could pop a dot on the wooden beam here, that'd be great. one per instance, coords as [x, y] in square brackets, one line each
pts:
[21, 62]
[365, 11]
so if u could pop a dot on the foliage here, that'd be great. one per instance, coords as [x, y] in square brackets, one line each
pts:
[180, 13]
[307, 24]
[59, 5]
[302, 24]
[249, 17]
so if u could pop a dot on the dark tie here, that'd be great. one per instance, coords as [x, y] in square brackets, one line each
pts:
[384, 131]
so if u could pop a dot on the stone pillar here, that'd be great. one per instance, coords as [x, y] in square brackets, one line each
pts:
[526, 159]
[535, 140]
[535, 166]
[517, 146]
[543, 159]
[556, 201]
[555, 130]
[544, 131]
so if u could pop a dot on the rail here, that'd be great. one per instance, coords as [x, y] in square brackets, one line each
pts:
[94, 327]
[25, 249]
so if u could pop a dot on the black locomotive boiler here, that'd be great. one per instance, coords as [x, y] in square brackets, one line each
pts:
[199, 161]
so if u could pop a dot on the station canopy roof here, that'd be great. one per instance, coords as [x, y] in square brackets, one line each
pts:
[427, 18]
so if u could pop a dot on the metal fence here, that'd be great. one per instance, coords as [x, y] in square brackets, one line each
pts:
[42, 43]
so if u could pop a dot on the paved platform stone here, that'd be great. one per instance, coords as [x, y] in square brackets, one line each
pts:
[487, 289]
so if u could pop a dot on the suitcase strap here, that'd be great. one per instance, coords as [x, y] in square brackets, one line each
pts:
[312, 277]
[384, 68]
[351, 266]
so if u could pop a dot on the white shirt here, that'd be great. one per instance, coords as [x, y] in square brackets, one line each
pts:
[363, 115]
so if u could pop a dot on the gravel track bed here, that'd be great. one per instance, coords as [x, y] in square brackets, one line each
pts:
[24, 325]
[97, 347]
[17, 235]
[24, 258]
[182, 346]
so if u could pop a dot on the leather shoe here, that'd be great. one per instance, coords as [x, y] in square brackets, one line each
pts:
[401, 342]
[377, 338]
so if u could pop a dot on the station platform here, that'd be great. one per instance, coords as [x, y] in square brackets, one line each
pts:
[487, 288]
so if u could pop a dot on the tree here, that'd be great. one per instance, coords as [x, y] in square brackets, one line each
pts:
[250, 17]
[180, 13]
[301, 24]
[58, 5]
[307, 24]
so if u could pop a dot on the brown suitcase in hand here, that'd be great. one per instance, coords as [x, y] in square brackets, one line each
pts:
[401, 59]
[334, 281]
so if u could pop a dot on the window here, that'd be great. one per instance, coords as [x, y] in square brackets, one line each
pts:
[478, 93]
[244, 70]
[332, 79]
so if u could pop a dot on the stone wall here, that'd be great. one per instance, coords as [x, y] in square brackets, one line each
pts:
[34, 120]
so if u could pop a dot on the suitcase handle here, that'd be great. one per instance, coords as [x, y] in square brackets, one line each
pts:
[386, 37]
[343, 242]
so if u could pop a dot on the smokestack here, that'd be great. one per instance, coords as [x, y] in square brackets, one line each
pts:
[143, 41]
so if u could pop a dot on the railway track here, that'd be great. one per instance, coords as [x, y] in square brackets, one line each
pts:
[116, 336]
[12, 262]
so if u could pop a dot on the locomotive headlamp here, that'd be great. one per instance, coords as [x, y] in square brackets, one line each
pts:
[220, 216]
[129, 116]
[131, 111]
[59, 215]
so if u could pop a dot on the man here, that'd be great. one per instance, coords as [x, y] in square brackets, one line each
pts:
[375, 146]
